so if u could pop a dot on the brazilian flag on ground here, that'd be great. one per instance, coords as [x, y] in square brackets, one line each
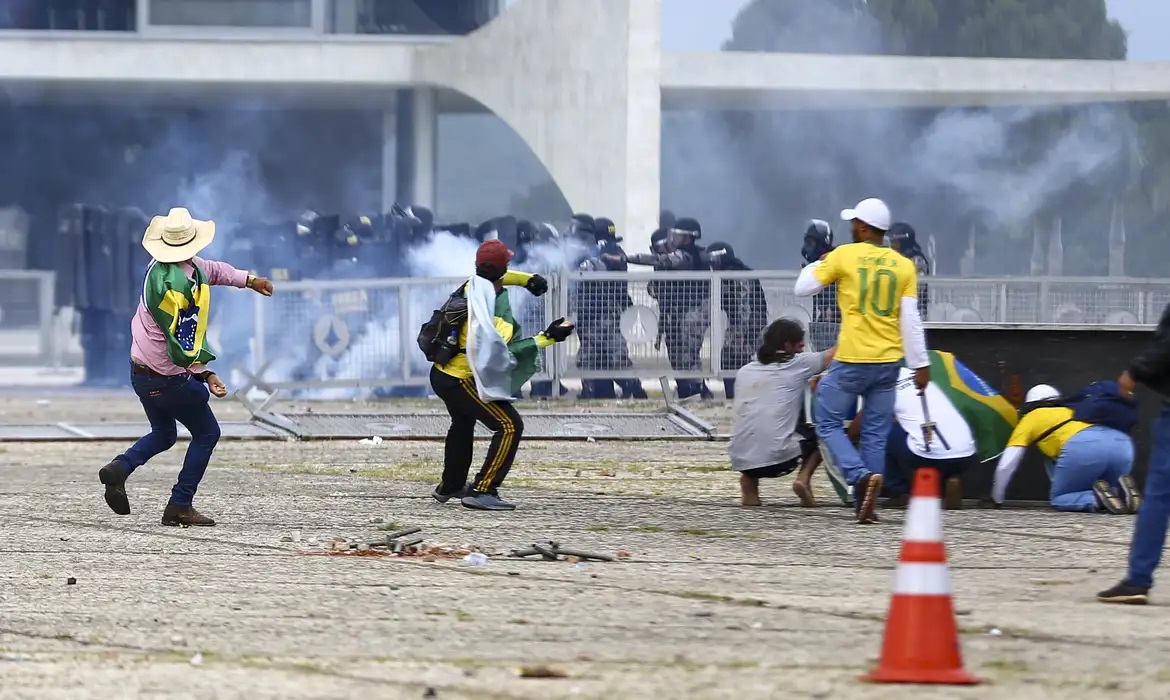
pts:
[180, 305]
[989, 415]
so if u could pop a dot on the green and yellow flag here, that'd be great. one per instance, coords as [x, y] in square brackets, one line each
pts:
[989, 415]
[180, 305]
[525, 350]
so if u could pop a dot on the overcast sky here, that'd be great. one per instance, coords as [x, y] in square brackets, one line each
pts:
[698, 25]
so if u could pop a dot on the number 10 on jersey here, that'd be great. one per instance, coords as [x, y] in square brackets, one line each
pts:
[878, 291]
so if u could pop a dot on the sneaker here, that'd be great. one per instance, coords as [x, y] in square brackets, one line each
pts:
[865, 492]
[478, 500]
[444, 497]
[1107, 500]
[1125, 594]
[1129, 494]
[113, 475]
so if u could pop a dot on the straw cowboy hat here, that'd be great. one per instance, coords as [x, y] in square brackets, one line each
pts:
[177, 237]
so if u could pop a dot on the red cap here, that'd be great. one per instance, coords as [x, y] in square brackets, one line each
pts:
[493, 253]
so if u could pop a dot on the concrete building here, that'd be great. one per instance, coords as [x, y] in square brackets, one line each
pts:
[583, 83]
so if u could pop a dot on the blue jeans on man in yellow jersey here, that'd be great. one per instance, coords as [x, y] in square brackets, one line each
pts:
[837, 395]
[1094, 453]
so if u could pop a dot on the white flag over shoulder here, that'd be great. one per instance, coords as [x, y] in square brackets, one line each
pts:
[488, 355]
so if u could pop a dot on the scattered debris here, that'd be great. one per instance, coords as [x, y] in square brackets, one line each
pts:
[197, 660]
[475, 559]
[43, 402]
[995, 631]
[178, 640]
[541, 672]
[70, 581]
[623, 555]
[286, 538]
[371, 440]
[377, 521]
[430, 693]
[552, 551]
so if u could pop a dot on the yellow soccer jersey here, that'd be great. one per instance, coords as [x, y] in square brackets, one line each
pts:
[871, 282]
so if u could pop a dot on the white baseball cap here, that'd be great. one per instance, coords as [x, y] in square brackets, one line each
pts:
[871, 211]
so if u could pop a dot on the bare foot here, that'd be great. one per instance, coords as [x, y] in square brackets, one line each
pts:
[804, 492]
[749, 490]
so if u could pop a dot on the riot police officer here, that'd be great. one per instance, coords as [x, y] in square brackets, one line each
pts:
[901, 237]
[826, 317]
[599, 305]
[683, 305]
[746, 307]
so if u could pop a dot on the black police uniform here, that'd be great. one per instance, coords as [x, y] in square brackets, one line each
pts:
[746, 306]
[826, 316]
[599, 305]
[683, 306]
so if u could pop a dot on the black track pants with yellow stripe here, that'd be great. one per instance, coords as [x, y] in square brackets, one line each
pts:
[465, 406]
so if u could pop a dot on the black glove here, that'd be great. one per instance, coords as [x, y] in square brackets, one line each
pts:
[558, 330]
[537, 285]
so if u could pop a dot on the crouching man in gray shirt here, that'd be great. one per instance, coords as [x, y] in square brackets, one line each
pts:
[770, 438]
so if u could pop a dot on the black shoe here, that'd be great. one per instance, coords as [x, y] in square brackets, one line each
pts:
[478, 500]
[1129, 494]
[865, 493]
[1107, 500]
[185, 516]
[444, 497]
[113, 475]
[899, 501]
[1125, 594]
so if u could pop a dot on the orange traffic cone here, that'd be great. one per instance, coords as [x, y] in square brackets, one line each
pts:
[921, 644]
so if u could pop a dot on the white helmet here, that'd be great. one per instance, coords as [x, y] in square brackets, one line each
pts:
[1040, 392]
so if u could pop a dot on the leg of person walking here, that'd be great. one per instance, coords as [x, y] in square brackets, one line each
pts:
[837, 396]
[1149, 533]
[190, 406]
[458, 449]
[877, 414]
[162, 436]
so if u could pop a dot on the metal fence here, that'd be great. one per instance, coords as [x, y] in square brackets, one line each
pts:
[28, 325]
[338, 335]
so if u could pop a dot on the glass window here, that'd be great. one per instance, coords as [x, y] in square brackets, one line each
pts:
[231, 13]
[426, 17]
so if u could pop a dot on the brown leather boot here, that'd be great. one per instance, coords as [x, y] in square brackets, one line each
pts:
[180, 516]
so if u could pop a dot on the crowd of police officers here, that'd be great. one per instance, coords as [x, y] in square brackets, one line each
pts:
[101, 263]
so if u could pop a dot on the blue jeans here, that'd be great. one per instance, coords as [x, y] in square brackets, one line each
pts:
[1094, 453]
[901, 463]
[1149, 534]
[837, 398]
[181, 398]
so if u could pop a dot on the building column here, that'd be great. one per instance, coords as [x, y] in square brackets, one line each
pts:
[389, 156]
[417, 136]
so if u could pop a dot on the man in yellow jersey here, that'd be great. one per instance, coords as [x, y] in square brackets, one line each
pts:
[881, 331]
[455, 383]
[1089, 464]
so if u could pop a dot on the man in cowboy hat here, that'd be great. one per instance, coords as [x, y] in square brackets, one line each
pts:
[169, 354]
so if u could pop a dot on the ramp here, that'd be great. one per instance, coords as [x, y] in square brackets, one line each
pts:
[672, 424]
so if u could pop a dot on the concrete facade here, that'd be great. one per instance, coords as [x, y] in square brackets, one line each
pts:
[582, 83]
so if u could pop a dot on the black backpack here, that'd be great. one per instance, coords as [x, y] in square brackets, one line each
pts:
[439, 337]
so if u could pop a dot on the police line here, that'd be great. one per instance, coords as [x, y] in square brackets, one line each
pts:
[321, 336]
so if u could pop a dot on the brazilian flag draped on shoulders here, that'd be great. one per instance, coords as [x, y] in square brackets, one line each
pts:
[525, 350]
[500, 367]
[180, 304]
[989, 415]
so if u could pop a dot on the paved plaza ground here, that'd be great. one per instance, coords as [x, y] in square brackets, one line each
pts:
[714, 601]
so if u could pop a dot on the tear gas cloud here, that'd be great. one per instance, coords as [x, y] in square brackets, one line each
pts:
[755, 179]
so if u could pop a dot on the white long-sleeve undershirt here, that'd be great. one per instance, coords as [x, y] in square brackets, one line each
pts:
[913, 335]
[807, 283]
[1005, 469]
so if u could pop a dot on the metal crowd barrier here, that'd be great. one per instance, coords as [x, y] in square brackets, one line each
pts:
[28, 323]
[323, 335]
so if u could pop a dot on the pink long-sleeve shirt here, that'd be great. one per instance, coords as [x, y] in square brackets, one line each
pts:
[149, 344]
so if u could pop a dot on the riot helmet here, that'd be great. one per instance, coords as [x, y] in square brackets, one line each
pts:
[721, 255]
[660, 242]
[605, 230]
[818, 240]
[581, 226]
[901, 237]
[685, 232]
[666, 219]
